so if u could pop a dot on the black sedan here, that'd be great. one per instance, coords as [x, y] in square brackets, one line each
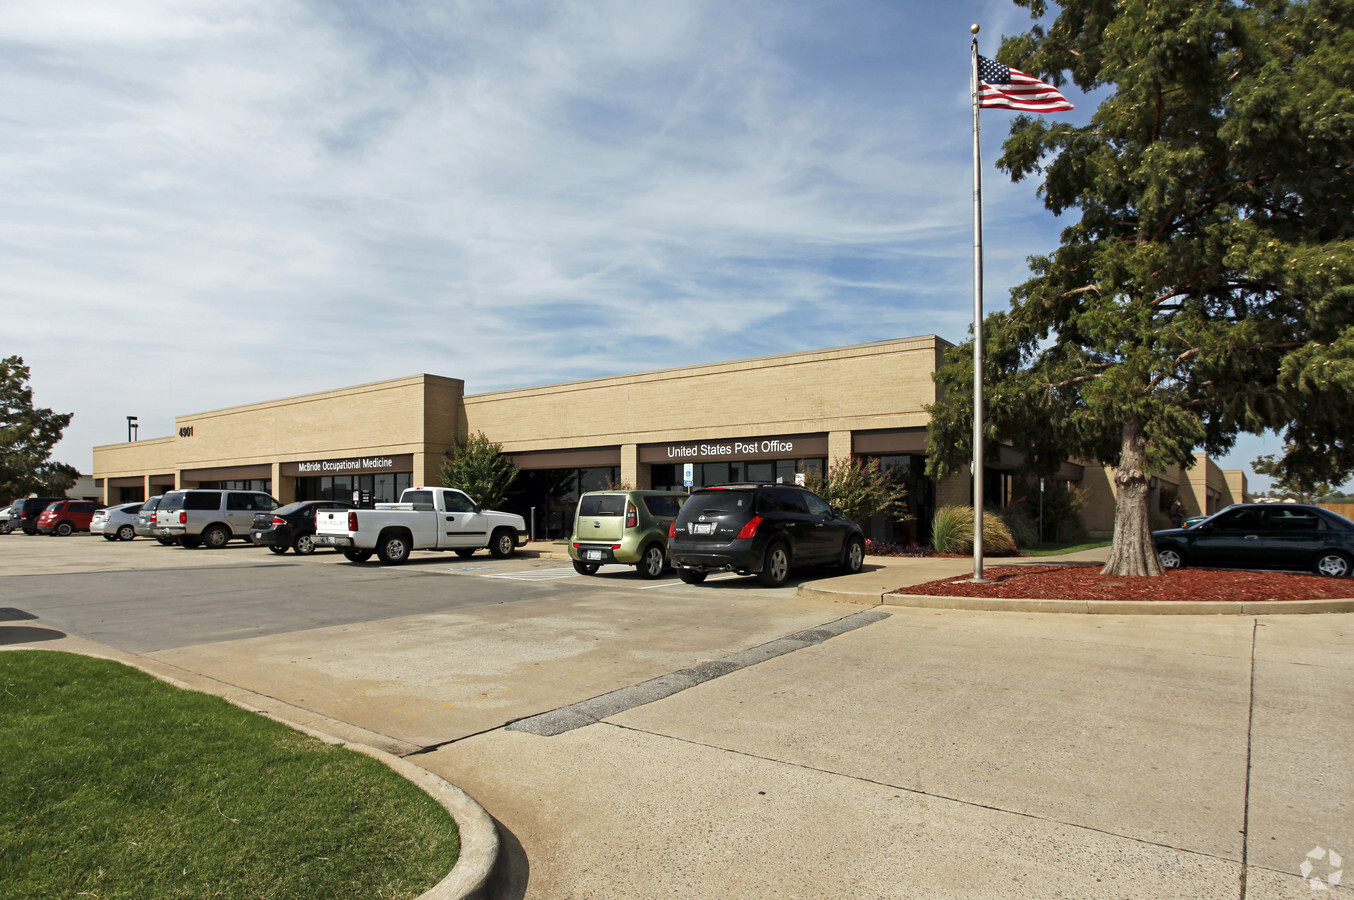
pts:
[1263, 536]
[291, 526]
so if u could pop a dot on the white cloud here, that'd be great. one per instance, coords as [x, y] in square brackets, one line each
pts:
[210, 203]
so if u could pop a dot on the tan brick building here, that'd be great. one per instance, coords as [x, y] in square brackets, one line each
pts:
[772, 417]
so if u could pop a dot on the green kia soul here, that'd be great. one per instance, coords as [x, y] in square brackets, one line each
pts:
[625, 527]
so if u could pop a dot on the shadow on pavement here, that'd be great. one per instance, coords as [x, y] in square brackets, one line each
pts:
[23, 634]
[508, 880]
[10, 614]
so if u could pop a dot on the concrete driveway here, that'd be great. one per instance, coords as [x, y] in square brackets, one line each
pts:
[903, 753]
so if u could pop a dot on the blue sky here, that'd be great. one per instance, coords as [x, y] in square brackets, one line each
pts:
[214, 203]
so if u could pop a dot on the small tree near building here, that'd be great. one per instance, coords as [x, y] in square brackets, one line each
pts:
[27, 435]
[477, 466]
[860, 489]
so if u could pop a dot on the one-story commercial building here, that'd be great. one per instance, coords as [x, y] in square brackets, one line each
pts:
[767, 418]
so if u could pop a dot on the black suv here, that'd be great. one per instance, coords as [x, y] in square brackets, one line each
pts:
[766, 529]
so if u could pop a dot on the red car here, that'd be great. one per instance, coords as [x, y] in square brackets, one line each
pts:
[65, 516]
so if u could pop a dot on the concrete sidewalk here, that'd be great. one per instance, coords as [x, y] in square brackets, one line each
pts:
[951, 754]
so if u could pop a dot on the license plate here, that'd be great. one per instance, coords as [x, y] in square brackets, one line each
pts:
[698, 528]
[594, 554]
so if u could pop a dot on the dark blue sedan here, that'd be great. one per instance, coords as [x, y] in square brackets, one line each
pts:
[1263, 536]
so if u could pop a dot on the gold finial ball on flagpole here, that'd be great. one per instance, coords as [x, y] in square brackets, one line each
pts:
[973, 28]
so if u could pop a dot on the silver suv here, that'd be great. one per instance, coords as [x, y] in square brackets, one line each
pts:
[209, 517]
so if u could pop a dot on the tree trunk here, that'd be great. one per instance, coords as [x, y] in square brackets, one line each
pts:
[1132, 553]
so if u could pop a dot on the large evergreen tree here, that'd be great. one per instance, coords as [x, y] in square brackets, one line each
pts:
[1205, 287]
[27, 435]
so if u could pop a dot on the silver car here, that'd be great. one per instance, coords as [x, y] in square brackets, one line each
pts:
[8, 516]
[209, 517]
[116, 523]
[145, 520]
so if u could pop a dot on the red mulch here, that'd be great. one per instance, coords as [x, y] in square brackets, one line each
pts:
[1072, 582]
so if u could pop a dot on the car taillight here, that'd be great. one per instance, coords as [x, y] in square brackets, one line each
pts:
[750, 528]
[631, 516]
[183, 518]
[672, 528]
[352, 521]
[278, 520]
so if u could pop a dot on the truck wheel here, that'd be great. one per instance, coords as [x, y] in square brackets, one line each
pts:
[393, 549]
[216, 537]
[167, 541]
[503, 544]
[357, 556]
[465, 552]
[651, 563]
[189, 541]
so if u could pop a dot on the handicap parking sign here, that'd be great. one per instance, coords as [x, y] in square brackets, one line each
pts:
[688, 474]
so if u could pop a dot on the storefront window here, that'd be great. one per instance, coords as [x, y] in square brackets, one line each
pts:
[668, 477]
[383, 488]
[913, 524]
[548, 498]
[261, 485]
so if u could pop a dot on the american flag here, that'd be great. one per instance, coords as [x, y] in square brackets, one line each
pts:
[1002, 87]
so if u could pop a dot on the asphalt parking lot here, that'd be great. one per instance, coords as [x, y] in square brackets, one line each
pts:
[732, 741]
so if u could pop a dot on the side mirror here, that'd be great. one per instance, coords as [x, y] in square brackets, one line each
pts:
[836, 512]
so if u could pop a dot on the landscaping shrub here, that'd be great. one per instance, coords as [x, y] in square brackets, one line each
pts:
[1024, 532]
[952, 532]
[888, 548]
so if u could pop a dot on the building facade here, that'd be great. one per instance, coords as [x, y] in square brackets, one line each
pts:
[768, 418]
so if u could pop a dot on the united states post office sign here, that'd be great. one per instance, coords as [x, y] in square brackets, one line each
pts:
[795, 446]
[351, 465]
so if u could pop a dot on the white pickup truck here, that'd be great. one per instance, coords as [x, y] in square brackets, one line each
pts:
[426, 518]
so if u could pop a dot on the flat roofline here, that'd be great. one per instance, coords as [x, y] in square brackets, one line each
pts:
[425, 376]
[938, 341]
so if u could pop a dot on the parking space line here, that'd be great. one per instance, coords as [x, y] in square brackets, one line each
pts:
[679, 583]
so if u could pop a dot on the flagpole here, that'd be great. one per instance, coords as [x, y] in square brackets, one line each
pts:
[977, 324]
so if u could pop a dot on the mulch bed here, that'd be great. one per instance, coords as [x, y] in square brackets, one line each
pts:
[1073, 582]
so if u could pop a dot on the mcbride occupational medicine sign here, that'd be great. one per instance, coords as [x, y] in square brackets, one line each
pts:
[402, 462]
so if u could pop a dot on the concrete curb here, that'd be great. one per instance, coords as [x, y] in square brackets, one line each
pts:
[1088, 607]
[468, 879]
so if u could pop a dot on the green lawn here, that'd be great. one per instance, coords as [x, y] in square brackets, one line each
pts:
[114, 784]
[1059, 549]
